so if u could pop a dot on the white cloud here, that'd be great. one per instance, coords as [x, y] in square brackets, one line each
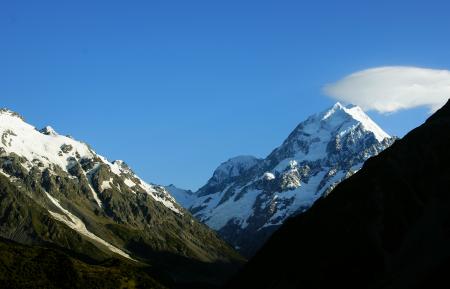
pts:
[392, 88]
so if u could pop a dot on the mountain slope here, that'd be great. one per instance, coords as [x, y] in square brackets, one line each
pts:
[56, 190]
[385, 227]
[248, 198]
[42, 267]
[183, 197]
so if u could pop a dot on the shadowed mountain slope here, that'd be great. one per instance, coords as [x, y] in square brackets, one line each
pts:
[247, 199]
[387, 226]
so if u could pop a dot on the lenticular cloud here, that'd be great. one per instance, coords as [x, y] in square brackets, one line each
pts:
[392, 88]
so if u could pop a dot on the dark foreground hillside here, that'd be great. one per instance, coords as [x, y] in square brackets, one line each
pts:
[39, 267]
[388, 226]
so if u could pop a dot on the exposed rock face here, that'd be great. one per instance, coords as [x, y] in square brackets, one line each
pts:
[56, 190]
[387, 226]
[248, 198]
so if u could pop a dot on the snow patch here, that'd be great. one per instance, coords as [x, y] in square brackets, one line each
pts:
[239, 210]
[184, 197]
[51, 149]
[358, 114]
[165, 198]
[234, 167]
[25, 140]
[94, 193]
[268, 176]
[106, 184]
[129, 183]
[76, 224]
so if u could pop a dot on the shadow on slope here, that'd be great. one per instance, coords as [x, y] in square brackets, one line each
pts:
[388, 226]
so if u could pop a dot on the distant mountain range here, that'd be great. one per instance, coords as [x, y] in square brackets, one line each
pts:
[56, 191]
[387, 226]
[248, 198]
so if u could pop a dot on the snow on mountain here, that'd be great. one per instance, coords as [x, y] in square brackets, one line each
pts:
[48, 149]
[56, 190]
[247, 198]
[234, 167]
[78, 225]
[183, 197]
[358, 114]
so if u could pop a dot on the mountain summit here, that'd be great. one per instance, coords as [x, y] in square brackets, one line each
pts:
[248, 198]
[57, 191]
[385, 227]
[48, 150]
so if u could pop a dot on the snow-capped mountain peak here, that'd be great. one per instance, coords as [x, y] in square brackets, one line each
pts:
[248, 198]
[234, 167]
[25, 140]
[323, 134]
[358, 114]
[329, 112]
[56, 190]
[10, 113]
[48, 130]
[47, 149]
[338, 113]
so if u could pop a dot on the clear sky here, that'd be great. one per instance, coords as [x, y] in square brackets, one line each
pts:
[175, 87]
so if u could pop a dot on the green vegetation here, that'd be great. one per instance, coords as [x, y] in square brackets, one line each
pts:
[174, 247]
[38, 267]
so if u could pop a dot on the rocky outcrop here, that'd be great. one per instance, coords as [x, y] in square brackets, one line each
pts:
[248, 198]
[56, 190]
[387, 226]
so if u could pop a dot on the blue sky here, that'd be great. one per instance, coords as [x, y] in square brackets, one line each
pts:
[176, 87]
